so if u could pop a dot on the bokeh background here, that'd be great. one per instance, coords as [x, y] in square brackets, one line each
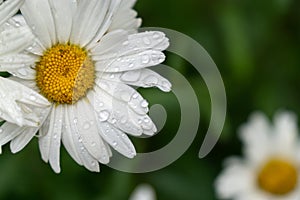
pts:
[255, 45]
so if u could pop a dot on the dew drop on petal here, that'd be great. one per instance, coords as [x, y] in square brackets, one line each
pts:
[32, 97]
[145, 59]
[114, 144]
[144, 103]
[146, 120]
[103, 115]
[113, 121]
[75, 120]
[86, 126]
[135, 95]
[125, 43]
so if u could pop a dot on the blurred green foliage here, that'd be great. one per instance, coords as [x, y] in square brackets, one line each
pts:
[254, 43]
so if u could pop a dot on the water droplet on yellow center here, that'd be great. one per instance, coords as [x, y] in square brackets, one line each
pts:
[65, 73]
[278, 177]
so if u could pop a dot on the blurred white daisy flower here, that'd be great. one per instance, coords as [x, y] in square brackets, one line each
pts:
[143, 192]
[83, 61]
[271, 168]
[15, 98]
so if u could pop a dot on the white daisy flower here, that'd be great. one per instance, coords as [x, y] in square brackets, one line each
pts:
[271, 168]
[143, 192]
[15, 98]
[83, 64]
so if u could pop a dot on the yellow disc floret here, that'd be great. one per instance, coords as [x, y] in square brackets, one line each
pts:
[64, 73]
[278, 177]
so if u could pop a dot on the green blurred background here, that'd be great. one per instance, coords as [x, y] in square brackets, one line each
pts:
[255, 45]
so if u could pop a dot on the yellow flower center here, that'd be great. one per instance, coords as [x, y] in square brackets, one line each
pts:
[64, 73]
[278, 177]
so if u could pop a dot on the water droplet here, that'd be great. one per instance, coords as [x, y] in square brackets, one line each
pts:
[131, 76]
[144, 104]
[112, 76]
[1, 130]
[75, 120]
[101, 104]
[32, 97]
[114, 144]
[146, 120]
[80, 139]
[103, 115]
[145, 59]
[117, 69]
[17, 24]
[131, 65]
[125, 43]
[86, 126]
[113, 121]
[55, 137]
[93, 144]
[135, 95]
[140, 121]
[161, 59]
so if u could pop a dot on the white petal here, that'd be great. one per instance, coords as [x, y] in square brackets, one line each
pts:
[87, 160]
[50, 143]
[88, 130]
[286, 132]
[15, 40]
[141, 78]
[26, 73]
[8, 9]
[115, 112]
[9, 131]
[16, 61]
[39, 17]
[119, 114]
[17, 21]
[125, 18]
[117, 139]
[10, 101]
[256, 137]
[62, 13]
[148, 40]
[114, 4]
[19, 142]
[67, 139]
[130, 62]
[87, 20]
[110, 42]
[138, 43]
[143, 192]
[124, 93]
[236, 179]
